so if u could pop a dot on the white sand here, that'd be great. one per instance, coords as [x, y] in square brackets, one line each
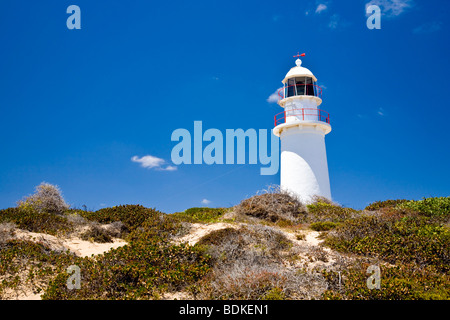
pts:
[198, 230]
[81, 248]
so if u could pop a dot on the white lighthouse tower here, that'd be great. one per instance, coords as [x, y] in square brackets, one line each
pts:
[302, 127]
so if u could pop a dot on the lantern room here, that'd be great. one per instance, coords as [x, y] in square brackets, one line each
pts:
[300, 97]
[299, 82]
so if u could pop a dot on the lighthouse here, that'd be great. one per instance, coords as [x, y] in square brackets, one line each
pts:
[302, 127]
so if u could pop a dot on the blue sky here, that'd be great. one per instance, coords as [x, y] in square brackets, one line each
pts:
[77, 105]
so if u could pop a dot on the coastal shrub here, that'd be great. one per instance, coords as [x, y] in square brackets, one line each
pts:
[36, 221]
[273, 205]
[115, 229]
[400, 282]
[140, 270]
[384, 204]
[96, 233]
[260, 282]
[132, 216]
[47, 198]
[248, 243]
[397, 238]
[323, 226]
[438, 207]
[322, 211]
[321, 199]
[200, 215]
[26, 264]
[143, 269]
[248, 263]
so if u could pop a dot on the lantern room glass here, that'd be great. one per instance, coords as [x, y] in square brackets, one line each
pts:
[300, 86]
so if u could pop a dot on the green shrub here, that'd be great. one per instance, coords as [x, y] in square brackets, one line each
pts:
[29, 264]
[34, 221]
[321, 212]
[430, 207]
[200, 215]
[401, 282]
[395, 238]
[143, 269]
[283, 223]
[162, 226]
[132, 216]
[384, 204]
[323, 226]
[274, 294]
[140, 270]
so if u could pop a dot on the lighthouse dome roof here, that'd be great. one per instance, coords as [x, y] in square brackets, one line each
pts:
[298, 71]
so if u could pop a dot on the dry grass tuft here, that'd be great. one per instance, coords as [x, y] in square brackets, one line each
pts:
[96, 233]
[261, 282]
[47, 198]
[251, 262]
[6, 231]
[272, 205]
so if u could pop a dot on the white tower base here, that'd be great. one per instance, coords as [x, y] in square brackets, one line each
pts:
[304, 167]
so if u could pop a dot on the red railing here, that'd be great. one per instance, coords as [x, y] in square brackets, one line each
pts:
[300, 90]
[309, 113]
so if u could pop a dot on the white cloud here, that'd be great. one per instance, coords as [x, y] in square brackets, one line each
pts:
[148, 161]
[381, 112]
[169, 168]
[321, 7]
[206, 201]
[392, 8]
[321, 85]
[151, 162]
[334, 21]
[274, 97]
[428, 27]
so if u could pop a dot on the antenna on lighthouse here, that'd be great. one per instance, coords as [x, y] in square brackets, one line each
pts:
[298, 62]
[299, 55]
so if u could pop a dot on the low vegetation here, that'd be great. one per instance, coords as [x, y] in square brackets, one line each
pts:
[132, 216]
[411, 235]
[251, 257]
[384, 204]
[200, 215]
[248, 263]
[96, 233]
[273, 205]
[323, 226]
[36, 221]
